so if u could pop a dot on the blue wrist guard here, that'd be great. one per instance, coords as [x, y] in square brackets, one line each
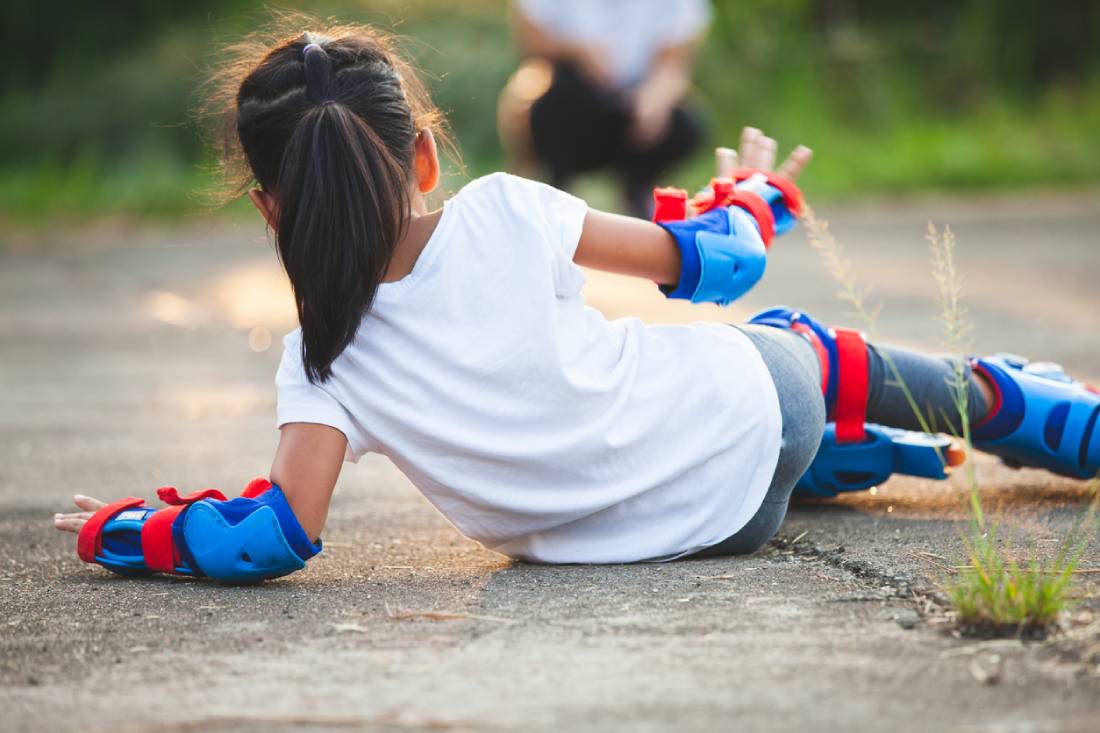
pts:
[245, 540]
[722, 256]
[777, 201]
[723, 248]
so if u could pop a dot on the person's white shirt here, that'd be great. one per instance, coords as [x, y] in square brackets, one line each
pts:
[534, 424]
[630, 32]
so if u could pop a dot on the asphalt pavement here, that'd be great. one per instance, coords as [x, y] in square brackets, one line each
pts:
[134, 358]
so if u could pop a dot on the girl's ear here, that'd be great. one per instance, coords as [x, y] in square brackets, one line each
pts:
[427, 161]
[267, 206]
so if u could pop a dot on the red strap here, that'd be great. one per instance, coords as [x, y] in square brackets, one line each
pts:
[850, 411]
[170, 495]
[759, 209]
[256, 487]
[670, 204]
[157, 545]
[792, 195]
[723, 192]
[998, 396]
[819, 348]
[90, 540]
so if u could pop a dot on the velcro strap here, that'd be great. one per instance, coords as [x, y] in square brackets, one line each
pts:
[819, 349]
[670, 204]
[90, 540]
[171, 495]
[759, 209]
[792, 195]
[256, 487]
[850, 410]
[724, 192]
[156, 539]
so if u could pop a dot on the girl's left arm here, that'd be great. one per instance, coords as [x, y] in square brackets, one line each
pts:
[306, 466]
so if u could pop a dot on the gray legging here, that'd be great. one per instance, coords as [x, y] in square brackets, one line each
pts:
[794, 368]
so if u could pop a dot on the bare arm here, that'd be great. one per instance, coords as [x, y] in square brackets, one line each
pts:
[306, 466]
[628, 246]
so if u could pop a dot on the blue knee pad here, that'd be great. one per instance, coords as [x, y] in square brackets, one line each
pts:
[1044, 418]
[792, 319]
[722, 256]
[248, 539]
[867, 455]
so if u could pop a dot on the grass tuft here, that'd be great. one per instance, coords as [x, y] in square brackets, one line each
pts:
[993, 593]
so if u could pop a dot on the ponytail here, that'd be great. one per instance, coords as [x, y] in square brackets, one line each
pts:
[327, 124]
[343, 206]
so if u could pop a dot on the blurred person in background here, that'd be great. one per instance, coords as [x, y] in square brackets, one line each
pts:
[602, 87]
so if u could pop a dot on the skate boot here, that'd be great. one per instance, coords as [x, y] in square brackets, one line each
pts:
[1040, 418]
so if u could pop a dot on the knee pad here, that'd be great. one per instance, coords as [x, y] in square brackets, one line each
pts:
[854, 455]
[842, 355]
[248, 539]
[1041, 417]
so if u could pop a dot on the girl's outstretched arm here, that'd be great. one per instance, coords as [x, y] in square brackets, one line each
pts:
[306, 466]
[631, 246]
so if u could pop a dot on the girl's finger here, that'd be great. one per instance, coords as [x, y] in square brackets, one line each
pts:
[69, 522]
[794, 164]
[749, 138]
[767, 148]
[725, 162]
[87, 503]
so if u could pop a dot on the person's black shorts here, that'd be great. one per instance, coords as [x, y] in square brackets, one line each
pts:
[577, 127]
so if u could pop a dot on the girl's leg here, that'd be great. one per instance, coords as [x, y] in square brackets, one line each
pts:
[1028, 414]
[796, 372]
[797, 376]
[930, 381]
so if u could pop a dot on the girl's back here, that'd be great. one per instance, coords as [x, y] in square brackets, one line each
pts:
[535, 425]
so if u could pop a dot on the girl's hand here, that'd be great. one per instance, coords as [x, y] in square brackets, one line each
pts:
[758, 151]
[74, 521]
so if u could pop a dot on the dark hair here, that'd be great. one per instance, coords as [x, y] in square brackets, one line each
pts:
[326, 122]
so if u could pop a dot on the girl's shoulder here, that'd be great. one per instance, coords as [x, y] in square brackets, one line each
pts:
[510, 194]
[498, 185]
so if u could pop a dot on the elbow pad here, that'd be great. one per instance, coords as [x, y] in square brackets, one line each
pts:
[248, 539]
[722, 256]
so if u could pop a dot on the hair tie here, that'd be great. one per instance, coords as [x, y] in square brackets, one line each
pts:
[318, 70]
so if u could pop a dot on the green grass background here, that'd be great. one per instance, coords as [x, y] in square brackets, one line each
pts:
[97, 100]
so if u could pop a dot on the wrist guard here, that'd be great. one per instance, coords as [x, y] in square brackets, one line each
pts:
[245, 540]
[723, 246]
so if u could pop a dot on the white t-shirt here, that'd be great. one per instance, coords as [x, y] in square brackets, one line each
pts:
[630, 32]
[534, 424]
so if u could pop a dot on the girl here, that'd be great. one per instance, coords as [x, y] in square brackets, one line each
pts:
[457, 343]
